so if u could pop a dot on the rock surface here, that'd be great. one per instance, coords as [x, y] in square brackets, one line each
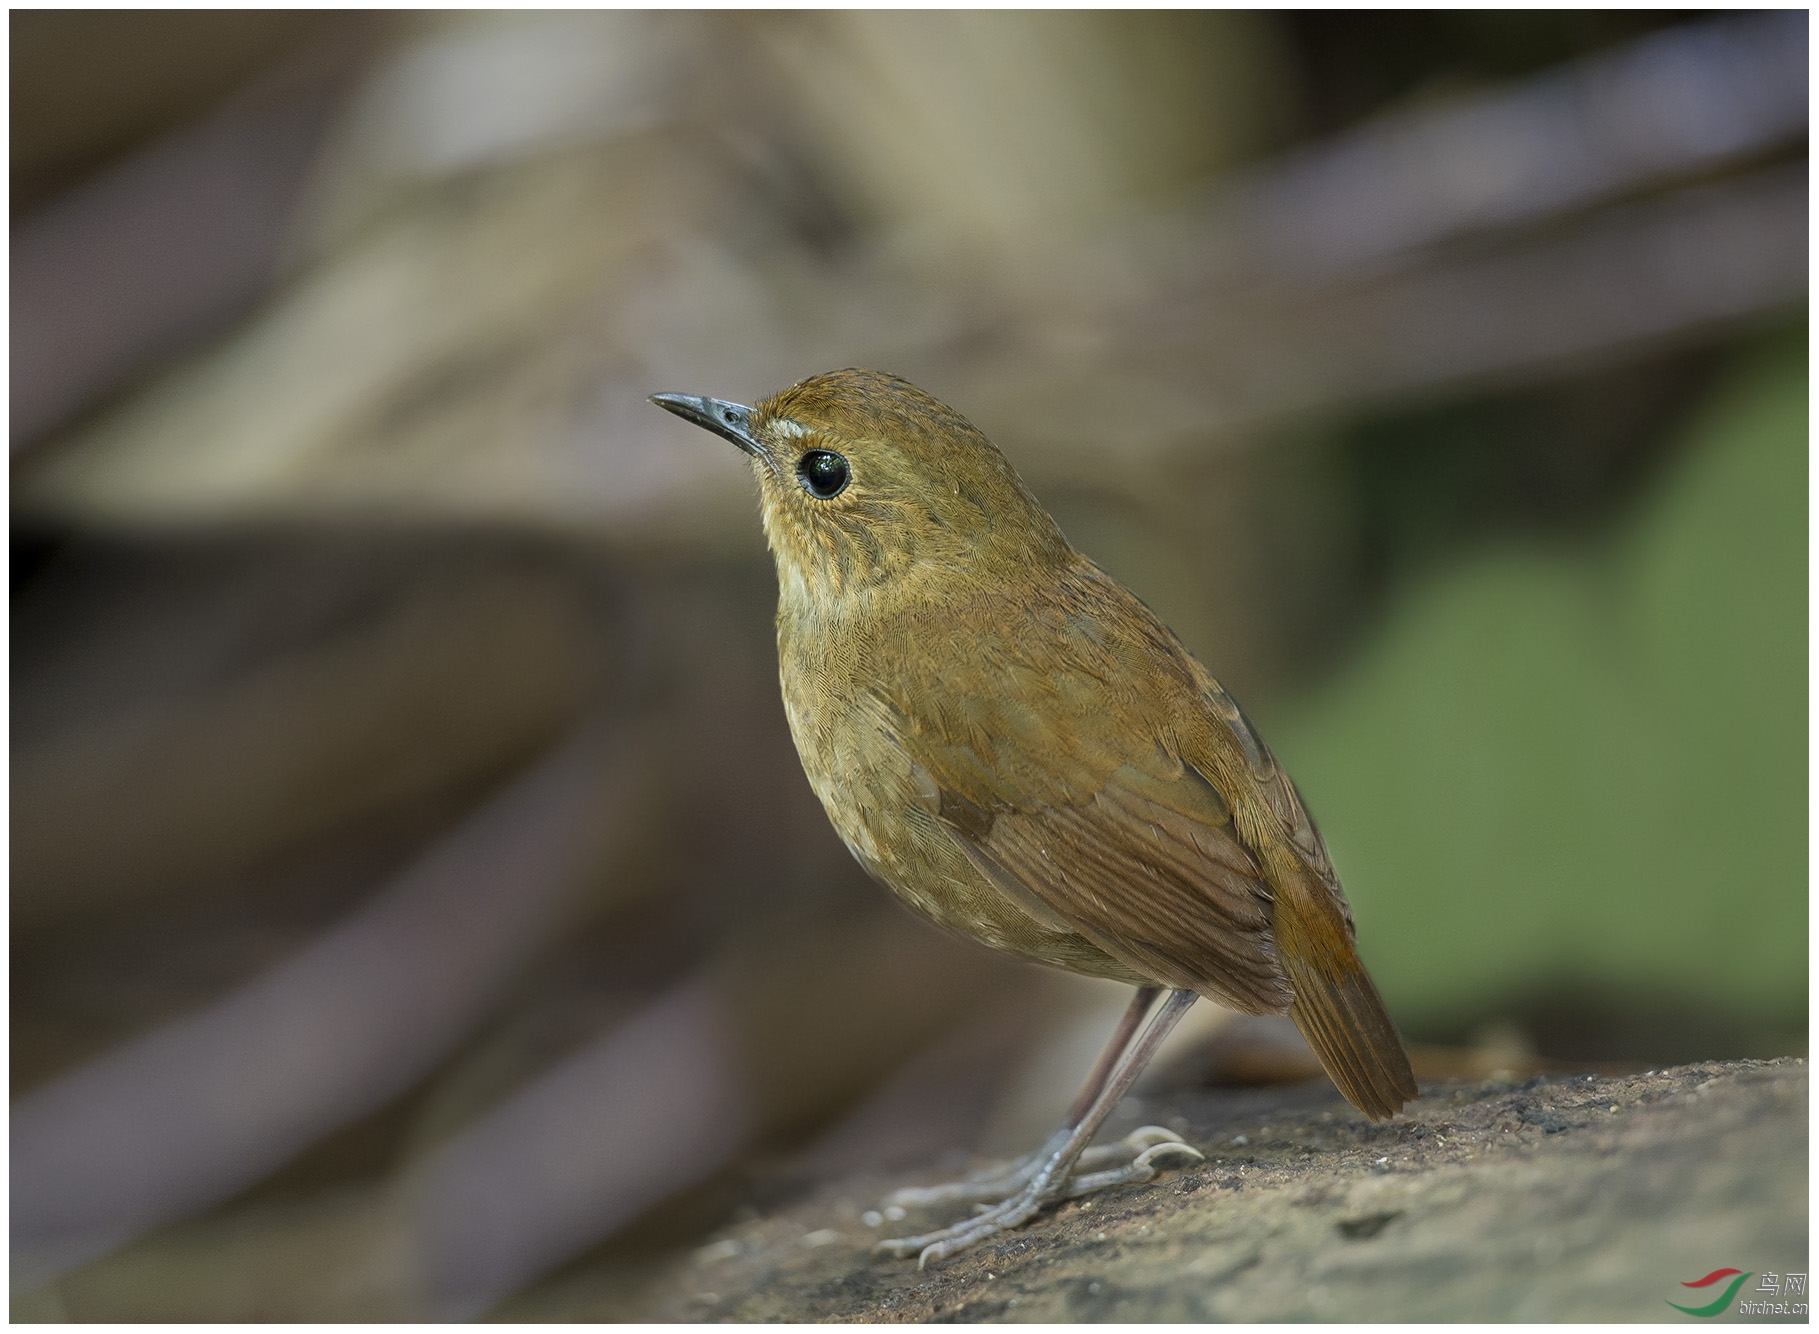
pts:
[1574, 1197]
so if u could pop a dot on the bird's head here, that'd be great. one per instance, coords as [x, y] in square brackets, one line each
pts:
[872, 488]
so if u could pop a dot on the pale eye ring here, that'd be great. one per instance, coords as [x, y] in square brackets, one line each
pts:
[824, 473]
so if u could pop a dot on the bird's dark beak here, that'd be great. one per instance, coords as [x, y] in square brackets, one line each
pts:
[732, 420]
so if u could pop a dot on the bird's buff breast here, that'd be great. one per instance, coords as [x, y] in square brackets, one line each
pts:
[879, 801]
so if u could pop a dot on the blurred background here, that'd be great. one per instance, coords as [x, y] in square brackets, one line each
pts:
[417, 906]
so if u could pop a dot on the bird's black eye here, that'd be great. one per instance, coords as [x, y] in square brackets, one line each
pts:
[824, 473]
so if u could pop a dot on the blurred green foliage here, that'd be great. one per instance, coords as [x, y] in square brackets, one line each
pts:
[1562, 761]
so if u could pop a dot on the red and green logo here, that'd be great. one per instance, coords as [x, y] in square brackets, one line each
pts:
[1716, 1276]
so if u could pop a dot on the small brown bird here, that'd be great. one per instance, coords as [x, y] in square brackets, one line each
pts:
[1018, 747]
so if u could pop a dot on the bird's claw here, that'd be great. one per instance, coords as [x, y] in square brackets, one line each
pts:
[1017, 1197]
[1140, 1169]
[1174, 1148]
[1132, 1146]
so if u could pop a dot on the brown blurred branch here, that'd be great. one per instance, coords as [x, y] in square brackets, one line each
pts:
[767, 1040]
[174, 243]
[1672, 106]
[1225, 363]
[201, 1108]
[585, 1148]
[286, 696]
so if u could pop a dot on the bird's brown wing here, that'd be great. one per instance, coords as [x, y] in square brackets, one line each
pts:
[1236, 741]
[1145, 869]
[1073, 798]
[1101, 779]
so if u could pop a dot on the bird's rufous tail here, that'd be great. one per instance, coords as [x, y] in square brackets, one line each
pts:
[1336, 1004]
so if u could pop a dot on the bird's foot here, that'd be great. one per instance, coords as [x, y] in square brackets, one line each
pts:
[1023, 1188]
[997, 1181]
[993, 1182]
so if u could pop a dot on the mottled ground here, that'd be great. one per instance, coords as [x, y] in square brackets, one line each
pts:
[1576, 1197]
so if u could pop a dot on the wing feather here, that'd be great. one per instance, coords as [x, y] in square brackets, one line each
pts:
[1102, 810]
[1147, 895]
